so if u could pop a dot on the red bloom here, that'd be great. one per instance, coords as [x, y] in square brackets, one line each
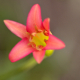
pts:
[36, 36]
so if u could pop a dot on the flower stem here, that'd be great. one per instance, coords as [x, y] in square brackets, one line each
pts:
[26, 66]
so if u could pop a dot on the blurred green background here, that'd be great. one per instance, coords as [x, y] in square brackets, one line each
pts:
[64, 23]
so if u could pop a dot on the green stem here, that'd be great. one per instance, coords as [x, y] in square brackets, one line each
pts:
[26, 66]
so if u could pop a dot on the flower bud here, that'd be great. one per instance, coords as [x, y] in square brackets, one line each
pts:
[49, 52]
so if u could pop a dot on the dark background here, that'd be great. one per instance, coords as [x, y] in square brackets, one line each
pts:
[64, 23]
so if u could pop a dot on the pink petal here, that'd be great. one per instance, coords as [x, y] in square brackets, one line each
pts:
[54, 43]
[20, 50]
[46, 24]
[34, 20]
[17, 28]
[39, 55]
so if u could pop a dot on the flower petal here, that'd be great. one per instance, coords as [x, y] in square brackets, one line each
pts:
[20, 50]
[54, 43]
[39, 55]
[17, 28]
[34, 20]
[46, 24]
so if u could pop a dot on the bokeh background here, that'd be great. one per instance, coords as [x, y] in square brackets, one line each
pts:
[64, 23]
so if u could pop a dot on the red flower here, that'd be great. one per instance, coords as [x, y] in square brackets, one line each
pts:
[36, 36]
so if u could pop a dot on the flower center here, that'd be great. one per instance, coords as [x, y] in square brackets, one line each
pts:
[39, 39]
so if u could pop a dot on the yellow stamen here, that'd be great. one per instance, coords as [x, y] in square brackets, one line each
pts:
[39, 39]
